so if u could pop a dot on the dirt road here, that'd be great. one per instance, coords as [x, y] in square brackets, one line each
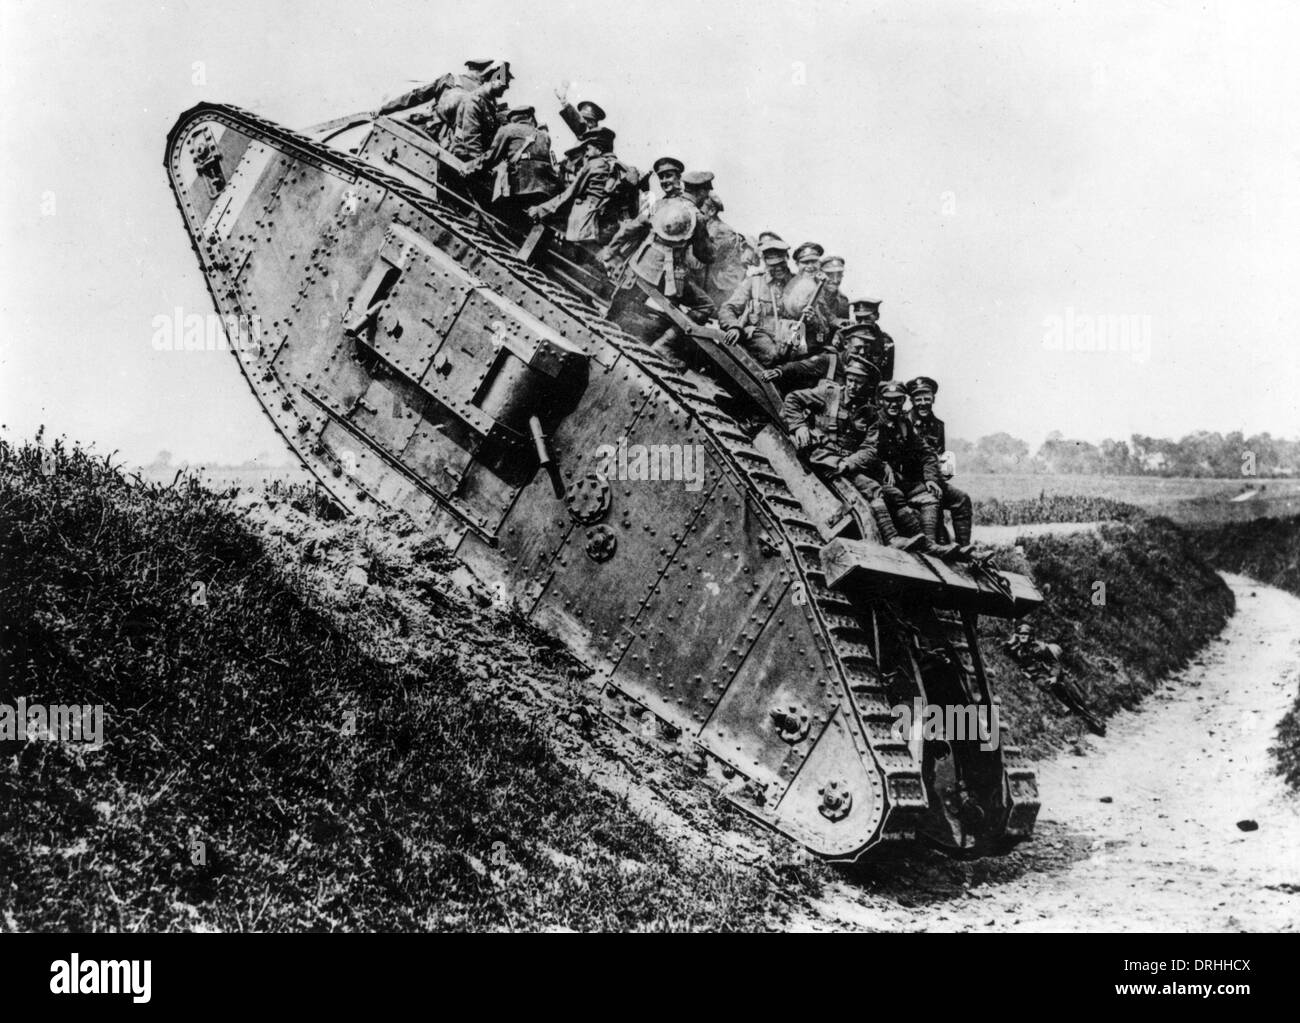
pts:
[1143, 832]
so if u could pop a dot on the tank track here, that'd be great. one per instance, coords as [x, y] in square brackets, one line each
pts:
[848, 628]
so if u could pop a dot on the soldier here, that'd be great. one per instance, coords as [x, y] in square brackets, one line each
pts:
[808, 258]
[590, 200]
[733, 254]
[922, 391]
[477, 119]
[671, 230]
[898, 458]
[638, 229]
[524, 170]
[835, 306]
[804, 340]
[1041, 664]
[447, 91]
[751, 317]
[871, 341]
[586, 116]
[828, 424]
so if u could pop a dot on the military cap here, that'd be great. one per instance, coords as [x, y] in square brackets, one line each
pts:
[503, 109]
[479, 65]
[922, 384]
[602, 137]
[857, 364]
[864, 305]
[697, 179]
[890, 389]
[833, 264]
[668, 163]
[769, 241]
[591, 110]
[808, 248]
[573, 152]
[514, 113]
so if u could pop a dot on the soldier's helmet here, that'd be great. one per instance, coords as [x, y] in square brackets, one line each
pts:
[673, 220]
[797, 296]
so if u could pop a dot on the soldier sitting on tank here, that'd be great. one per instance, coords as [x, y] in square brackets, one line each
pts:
[770, 316]
[828, 424]
[672, 228]
[922, 391]
[808, 259]
[902, 462]
[522, 167]
[834, 306]
[591, 202]
[870, 340]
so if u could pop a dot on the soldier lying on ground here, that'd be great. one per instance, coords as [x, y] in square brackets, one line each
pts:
[922, 391]
[1041, 664]
[902, 463]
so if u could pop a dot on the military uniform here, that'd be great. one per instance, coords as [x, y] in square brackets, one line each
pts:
[591, 199]
[733, 255]
[477, 122]
[839, 424]
[521, 156]
[956, 501]
[671, 229]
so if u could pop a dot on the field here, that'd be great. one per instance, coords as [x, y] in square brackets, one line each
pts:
[1181, 499]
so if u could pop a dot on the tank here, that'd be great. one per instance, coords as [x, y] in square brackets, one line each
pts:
[419, 356]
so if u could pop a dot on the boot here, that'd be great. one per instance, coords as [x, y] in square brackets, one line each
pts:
[914, 540]
[926, 516]
[664, 348]
[961, 522]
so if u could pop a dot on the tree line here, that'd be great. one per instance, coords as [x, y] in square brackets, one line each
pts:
[1198, 454]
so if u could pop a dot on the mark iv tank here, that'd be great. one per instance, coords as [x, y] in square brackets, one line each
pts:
[421, 356]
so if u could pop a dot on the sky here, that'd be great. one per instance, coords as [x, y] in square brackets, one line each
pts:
[1008, 178]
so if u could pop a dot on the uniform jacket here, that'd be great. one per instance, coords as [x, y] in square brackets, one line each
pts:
[732, 258]
[931, 429]
[897, 444]
[586, 198]
[476, 123]
[526, 152]
[654, 257]
[826, 408]
[756, 302]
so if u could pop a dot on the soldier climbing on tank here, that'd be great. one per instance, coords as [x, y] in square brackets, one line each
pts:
[904, 465]
[591, 202]
[1041, 664]
[732, 253]
[828, 424]
[657, 273]
[522, 167]
[922, 391]
[446, 93]
[477, 118]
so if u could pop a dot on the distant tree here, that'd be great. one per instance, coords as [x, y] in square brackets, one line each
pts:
[1069, 457]
[1001, 452]
[162, 460]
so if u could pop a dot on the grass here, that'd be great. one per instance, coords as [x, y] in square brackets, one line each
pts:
[1162, 603]
[1267, 550]
[326, 784]
[286, 755]
[1053, 508]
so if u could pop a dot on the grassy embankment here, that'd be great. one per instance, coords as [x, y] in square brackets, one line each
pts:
[340, 763]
